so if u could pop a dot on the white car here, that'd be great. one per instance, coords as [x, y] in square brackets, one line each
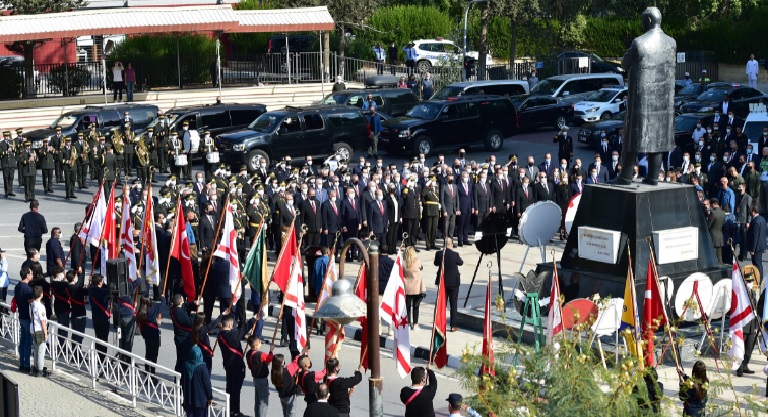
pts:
[602, 104]
[432, 52]
[755, 123]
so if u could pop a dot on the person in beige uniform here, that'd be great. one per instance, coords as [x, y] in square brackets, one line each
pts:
[415, 289]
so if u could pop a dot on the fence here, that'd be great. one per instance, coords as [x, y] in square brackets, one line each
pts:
[694, 62]
[120, 369]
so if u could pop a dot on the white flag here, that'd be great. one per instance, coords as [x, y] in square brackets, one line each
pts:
[394, 312]
[294, 297]
[227, 250]
[741, 314]
[92, 231]
[126, 236]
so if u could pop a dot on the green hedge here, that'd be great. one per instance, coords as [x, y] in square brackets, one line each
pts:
[68, 79]
[402, 24]
[11, 83]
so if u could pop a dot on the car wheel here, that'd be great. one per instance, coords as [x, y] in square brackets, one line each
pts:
[561, 122]
[423, 65]
[493, 141]
[423, 145]
[606, 115]
[254, 157]
[343, 150]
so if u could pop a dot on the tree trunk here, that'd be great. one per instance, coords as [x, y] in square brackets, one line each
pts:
[512, 46]
[30, 89]
[342, 47]
[482, 56]
[327, 56]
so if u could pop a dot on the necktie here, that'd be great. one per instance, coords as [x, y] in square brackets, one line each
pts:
[501, 185]
[525, 190]
[450, 187]
[545, 187]
[334, 208]
[605, 149]
[546, 167]
[466, 190]
[381, 208]
[485, 191]
[313, 207]
[352, 200]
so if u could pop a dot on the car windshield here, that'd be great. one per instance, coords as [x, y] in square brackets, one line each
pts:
[425, 111]
[755, 128]
[547, 87]
[619, 116]
[602, 96]
[595, 58]
[685, 123]
[335, 99]
[172, 116]
[447, 92]
[689, 90]
[712, 95]
[65, 121]
[266, 123]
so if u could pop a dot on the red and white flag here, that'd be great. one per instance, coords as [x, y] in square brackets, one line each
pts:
[282, 272]
[335, 332]
[180, 251]
[126, 236]
[149, 240]
[741, 314]
[654, 316]
[488, 368]
[92, 229]
[394, 312]
[362, 293]
[109, 237]
[555, 319]
[294, 296]
[227, 250]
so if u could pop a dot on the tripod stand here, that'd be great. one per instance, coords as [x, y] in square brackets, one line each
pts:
[479, 261]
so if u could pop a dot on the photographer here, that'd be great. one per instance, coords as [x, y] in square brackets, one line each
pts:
[118, 83]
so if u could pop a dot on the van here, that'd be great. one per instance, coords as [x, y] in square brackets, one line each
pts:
[756, 121]
[509, 88]
[576, 87]
[390, 101]
[216, 118]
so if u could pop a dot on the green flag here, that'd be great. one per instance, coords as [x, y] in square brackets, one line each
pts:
[255, 270]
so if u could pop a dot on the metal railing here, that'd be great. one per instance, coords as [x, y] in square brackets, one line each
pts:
[120, 369]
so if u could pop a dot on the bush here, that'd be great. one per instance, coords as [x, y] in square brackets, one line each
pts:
[11, 83]
[68, 79]
[402, 24]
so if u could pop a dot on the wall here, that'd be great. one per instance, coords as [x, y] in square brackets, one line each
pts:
[51, 52]
[738, 73]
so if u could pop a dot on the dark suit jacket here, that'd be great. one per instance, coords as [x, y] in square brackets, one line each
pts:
[602, 174]
[220, 276]
[575, 188]
[319, 409]
[392, 217]
[482, 197]
[205, 233]
[756, 235]
[377, 221]
[544, 195]
[499, 195]
[76, 257]
[452, 263]
[543, 168]
[331, 218]
[351, 216]
[312, 218]
[466, 198]
[715, 226]
[522, 202]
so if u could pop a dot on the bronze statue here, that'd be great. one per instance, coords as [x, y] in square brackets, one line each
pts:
[650, 64]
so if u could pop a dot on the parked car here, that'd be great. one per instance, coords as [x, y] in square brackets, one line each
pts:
[740, 98]
[754, 124]
[596, 64]
[693, 90]
[107, 118]
[217, 119]
[684, 126]
[589, 133]
[451, 124]
[538, 111]
[431, 52]
[316, 130]
[511, 88]
[602, 104]
[296, 43]
[393, 101]
[576, 87]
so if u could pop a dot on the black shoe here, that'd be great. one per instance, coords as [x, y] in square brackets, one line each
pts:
[283, 343]
[12, 195]
[416, 249]
[739, 372]
[748, 371]
[73, 197]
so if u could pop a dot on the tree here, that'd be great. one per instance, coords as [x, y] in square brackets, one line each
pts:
[27, 48]
[518, 11]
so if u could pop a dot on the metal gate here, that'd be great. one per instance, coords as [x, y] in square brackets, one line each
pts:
[694, 62]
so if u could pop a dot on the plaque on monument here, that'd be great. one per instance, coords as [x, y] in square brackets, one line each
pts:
[676, 245]
[599, 245]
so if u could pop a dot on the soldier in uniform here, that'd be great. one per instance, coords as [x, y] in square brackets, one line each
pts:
[411, 211]
[174, 148]
[208, 147]
[82, 161]
[109, 168]
[564, 146]
[47, 159]
[257, 211]
[97, 156]
[431, 211]
[18, 142]
[29, 171]
[57, 142]
[69, 158]
[186, 149]
[130, 148]
[9, 163]
[151, 142]
[143, 160]
[92, 140]
[161, 132]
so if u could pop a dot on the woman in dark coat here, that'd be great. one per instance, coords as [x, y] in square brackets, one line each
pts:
[562, 198]
[196, 385]
[693, 391]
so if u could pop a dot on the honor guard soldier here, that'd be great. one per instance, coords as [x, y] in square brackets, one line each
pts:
[258, 211]
[431, 211]
[47, 160]
[97, 155]
[109, 167]
[209, 161]
[174, 149]
[186, 149]
[9, 163]
[82, 160]
[69, 160]
[92, 140]
[29, 170]
[130, 147]
[118, 146]
[151, 142]
[57, 142]
[564, 146]
[137, 215]
[18, 142]
[143, 166]
[161, 133]
[190, 203]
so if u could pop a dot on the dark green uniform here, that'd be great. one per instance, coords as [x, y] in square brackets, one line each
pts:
[109, 168]
[47, 160]
[82, 163]
[57, 142]
[93, 164]
[29, 171]
[69, 162]
[9, 164]
[18, 142]
[431, 214]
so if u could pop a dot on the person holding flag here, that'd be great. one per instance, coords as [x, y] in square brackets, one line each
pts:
[340, 388]
[287, 274]
[180, 251]
[393, 312]
[450, 262]
[439, 347]
[151, 265]
[227, 267]
[654, 316]
[751, 327]
[741, 315]
[255, 272]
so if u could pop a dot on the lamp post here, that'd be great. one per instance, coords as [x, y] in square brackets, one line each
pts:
[464, 53]
[343, 308]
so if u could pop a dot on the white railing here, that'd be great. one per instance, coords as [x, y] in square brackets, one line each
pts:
[120, 369]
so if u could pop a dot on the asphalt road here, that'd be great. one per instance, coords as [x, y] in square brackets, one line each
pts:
[64, 213]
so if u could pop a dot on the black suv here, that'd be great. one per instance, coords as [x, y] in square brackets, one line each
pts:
[459, 122]
[392, 101]
[216, 118]
[107, 118]
[317, 130]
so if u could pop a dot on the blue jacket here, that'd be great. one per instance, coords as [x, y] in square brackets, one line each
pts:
[318, 273]
[374, 124]
[53, 251]
[727, 197]
[197, 391]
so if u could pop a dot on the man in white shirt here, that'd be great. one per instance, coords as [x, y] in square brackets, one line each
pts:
[39, 330]
[752, 69]
[118, 84]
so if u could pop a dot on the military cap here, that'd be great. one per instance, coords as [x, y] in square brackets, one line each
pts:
[433, 178]
[295, 170]
[186, 123]
[243, 168]
[126, 113]
[92, 125]
[310, 178]
[513, 157]
[26, 143]
[58, 129]
[239, 185]
[271, 175]
[174, 134]
[173, 178]
[19, 130]
[67, 139]
[102, 137]
[135, 182]
[564, 129]
[212, 181]
[282, 184]
[79, 134]
[697, 164]
[191, 197]
[485, 166]
[222, 166]
[119, 198]
[260, 187]
[46, 139]
[108, 146]
[161, 116]
[7, 133]
[127, 124]
[207, 132]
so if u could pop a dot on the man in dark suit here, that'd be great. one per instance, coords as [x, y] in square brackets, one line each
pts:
[482, 198]
[605, 150]
[756, 238]
[288, 213]
[312, 216]
[331, 219]
[206, 232]
[543, 189]
[466, 208]
[600, 169]
[500, 193]
[613, 165]
[525, 197]
[531, 170]
[547, 166]
[577, 186]
[321, 408]
[351, 219]
[451, 261]
[377, 217]
[715, 223]
[394, 218]
[411, 196]
[449, 205]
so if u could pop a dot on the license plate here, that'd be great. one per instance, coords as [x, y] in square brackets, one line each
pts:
[384, 139]
[582, 138]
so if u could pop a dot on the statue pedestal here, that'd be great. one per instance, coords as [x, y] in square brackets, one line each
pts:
[636, 211]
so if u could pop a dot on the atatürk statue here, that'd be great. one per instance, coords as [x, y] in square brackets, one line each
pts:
[650, 64]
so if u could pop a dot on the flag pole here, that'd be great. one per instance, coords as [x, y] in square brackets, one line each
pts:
[173, 242]
[325, 277]
[761, 327]
[664, 304]
[82, 224]
[264, 290]
[143, 244]
[634, 301]
[101, 236]
[434, 315]
[290, 282]
[211, 251]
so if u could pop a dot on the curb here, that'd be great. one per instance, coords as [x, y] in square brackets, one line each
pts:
[385, 342]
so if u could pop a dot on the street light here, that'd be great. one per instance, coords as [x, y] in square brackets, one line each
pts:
[464, 55]
[342, 309]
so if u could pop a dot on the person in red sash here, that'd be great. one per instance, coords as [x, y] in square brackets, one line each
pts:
[418, 398]
[148, 318]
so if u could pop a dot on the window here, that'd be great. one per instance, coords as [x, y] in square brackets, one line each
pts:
[468, 110]
[401, 97]
[346, 119]
[212, 119]
[290, 125]
[243, 117]
[500, 109]
[85, 122]
[192, 119]
[532, 103]
[111, 119]
[545, 101]
[512, 90]
[450, 112]
[142, 117]
[313, 121]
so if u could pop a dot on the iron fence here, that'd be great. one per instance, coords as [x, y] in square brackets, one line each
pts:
[124, 371]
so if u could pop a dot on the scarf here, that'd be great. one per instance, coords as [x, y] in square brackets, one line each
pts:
[195, 360]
